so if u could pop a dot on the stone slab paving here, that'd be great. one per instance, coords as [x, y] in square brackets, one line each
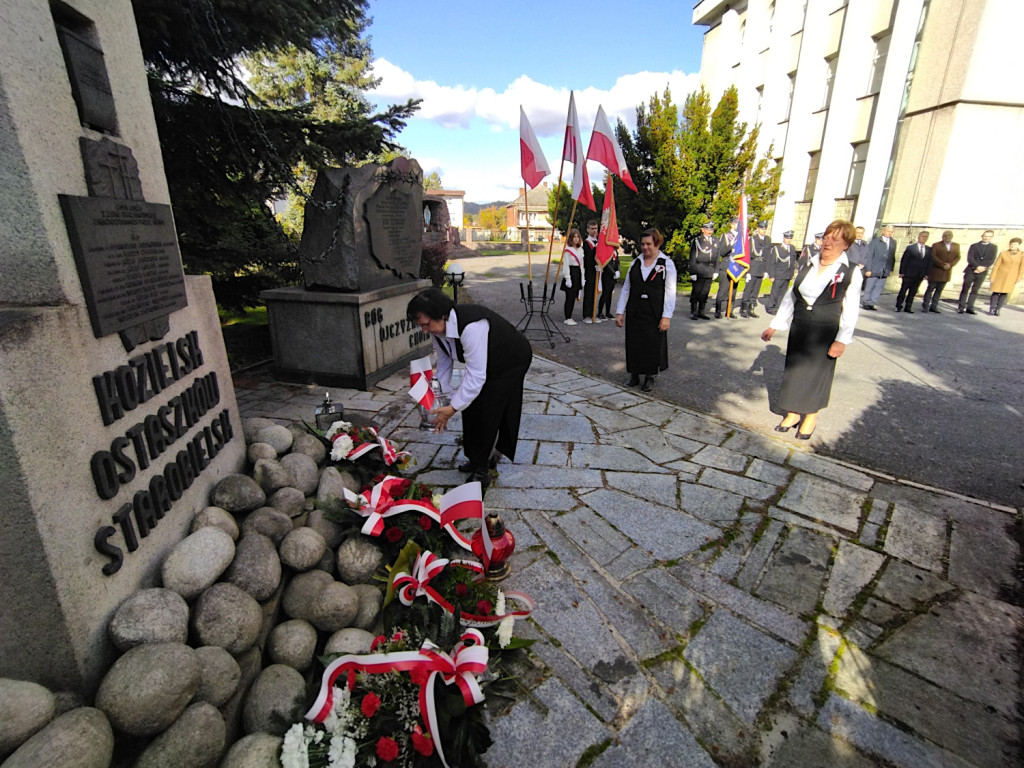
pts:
[710, 596]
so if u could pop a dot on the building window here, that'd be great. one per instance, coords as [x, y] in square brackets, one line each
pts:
[812, 175]
[878, 64]
[760, 103]
[830, 81]
[789, 99]
[771, 17]
[860, 158]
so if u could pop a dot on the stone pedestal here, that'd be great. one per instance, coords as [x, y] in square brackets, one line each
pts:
[343, 339]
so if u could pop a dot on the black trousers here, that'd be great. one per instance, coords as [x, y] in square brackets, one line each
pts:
[751, 290]
[604, 301]
[779, 288]
[908, 292]
[722, 297]
[972, 284]
[699, 295]
[932, 294]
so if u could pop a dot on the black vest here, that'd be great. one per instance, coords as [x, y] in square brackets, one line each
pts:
[507, 348]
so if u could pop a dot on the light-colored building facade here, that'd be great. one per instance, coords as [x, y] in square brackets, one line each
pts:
[908, 112]
[532, 207]
[455, 199]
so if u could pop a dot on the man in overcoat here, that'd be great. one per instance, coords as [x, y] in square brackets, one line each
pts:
[760, 252]
[945, 256]
[704, 254]
[980, 258]
[879, 265]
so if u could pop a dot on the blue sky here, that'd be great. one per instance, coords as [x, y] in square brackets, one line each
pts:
[475, 63]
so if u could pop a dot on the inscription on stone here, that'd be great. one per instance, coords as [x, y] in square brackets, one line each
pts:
[127, 258]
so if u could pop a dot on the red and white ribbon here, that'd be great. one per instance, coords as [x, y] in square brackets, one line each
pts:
[380, 503]
[467, 661]
[409, 586]
[387, 449]
[421, 373]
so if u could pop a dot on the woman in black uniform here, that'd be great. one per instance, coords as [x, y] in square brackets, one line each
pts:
[820, 310]
[490, 396]
[646, 303]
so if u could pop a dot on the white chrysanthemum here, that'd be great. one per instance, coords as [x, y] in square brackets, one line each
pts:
[499, 604]
[342, 445]
[293, 751]
[342, 753]
[436, 500]
[505, 627]
[338, 426]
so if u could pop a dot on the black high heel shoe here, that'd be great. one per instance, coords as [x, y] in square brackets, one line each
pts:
[802, 436]
[783, 428]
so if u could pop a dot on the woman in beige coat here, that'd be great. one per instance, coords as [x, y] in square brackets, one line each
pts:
[1007, 270]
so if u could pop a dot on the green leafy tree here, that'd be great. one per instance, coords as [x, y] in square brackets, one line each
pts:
[432, 181]
[230, 146]
[691, 167]
[562, 195]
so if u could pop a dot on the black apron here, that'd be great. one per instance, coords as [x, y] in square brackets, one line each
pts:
[807, 380]
[646, 346]
[491, 421]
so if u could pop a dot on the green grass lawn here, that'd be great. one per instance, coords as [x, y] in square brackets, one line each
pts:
[246, 336]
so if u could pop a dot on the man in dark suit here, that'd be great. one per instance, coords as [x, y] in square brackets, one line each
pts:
[879, 265]
[590, 272]
[760, 252]
[858, 250]
[914, 266]
[704, 253]
[945, 256]
[980, 258]
[781, 268]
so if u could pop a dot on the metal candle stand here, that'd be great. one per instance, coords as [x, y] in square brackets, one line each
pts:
[539, 308]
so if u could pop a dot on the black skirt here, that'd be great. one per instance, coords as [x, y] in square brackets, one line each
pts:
[646, 346]
[807, 380]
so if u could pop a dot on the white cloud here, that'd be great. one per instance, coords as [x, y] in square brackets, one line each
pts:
[545, 105]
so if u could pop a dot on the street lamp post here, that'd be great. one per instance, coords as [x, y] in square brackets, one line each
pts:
[455, 276]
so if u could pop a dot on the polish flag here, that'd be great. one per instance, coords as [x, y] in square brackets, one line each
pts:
[535, 167]
[605, 149]
[572, 151]
[608, 237]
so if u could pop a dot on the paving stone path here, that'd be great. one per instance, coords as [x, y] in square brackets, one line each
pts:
[708, 596]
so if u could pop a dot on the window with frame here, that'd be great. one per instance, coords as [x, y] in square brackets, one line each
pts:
[856, 175]
[830, 81]
[878, 64]
[812, 175]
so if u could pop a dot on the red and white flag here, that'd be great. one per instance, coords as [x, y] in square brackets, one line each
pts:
[421, 372]
[572, 151]
[608, 237]
[605, 149]
[535, 167]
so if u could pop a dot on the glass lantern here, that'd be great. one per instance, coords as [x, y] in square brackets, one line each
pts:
[440, 399]
[328, 412]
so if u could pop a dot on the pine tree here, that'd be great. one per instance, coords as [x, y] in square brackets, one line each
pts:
[230, 146]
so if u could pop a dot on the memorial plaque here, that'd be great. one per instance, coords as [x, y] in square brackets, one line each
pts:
[396, 233]
[90, 84]
[128, 260]
[110, 170]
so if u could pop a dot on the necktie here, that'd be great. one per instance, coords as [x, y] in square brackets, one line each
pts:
[921, 247]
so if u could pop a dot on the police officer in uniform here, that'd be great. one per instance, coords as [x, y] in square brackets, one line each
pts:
[760, 252]
[725, 251]
[810, 251]
[781, 268]
[704, 253]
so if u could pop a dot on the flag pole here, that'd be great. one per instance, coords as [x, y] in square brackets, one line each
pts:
[529, 258]
[597, 276]
[554, 221]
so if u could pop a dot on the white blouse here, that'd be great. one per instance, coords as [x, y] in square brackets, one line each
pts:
[571, 257]
[670, 285]
[811, 288]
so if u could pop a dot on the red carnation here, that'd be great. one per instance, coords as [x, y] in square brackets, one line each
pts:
[378, 477]
[393, 534]
[484, 607]
[423, 744]
[426, 523]
[370, 705]
[419, 675]
[378, 641]
[387, 748]
[403, 485]
[461, 589]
